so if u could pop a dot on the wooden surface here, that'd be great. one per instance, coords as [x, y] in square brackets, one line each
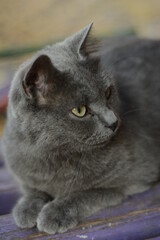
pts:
[9, 193]
[137, 218]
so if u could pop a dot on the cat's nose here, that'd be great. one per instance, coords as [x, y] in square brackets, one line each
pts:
[114, 125]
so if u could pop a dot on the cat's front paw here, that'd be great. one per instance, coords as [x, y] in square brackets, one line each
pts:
[26, 212]
[56, 218]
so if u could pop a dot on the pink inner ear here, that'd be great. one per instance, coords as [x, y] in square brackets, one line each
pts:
[40, 81]
[40, 77]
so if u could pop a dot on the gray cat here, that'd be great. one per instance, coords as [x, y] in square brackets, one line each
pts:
[79, 138]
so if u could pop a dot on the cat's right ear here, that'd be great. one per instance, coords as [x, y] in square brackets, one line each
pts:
[39, 78]
[83, 43]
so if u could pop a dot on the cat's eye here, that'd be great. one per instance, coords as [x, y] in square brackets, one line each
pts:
[108, 93]
[79, 111]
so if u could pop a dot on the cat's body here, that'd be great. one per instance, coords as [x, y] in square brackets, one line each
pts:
[83, 164]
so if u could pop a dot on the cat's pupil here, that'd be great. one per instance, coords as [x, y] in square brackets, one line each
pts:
[79, 110]
[108, 93]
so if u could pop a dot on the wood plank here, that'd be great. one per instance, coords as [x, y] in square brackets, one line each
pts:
[9, 193]
[1, 157]
[7, 182]
[155, 238]
[137, 218]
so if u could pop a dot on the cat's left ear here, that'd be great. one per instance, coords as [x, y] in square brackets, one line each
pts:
[40, 79]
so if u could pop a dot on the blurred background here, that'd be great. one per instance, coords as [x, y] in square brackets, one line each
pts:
[26, 26]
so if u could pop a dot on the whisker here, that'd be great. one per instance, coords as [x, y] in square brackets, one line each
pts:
[135, 110]
[142, 135]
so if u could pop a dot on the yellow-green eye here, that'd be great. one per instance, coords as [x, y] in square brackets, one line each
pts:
[79, 111]
[108, 93]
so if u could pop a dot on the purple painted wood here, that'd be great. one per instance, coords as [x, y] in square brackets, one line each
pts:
[155, 238]
[7, 201]
[8, 191]
[1, 157]
[137, 218]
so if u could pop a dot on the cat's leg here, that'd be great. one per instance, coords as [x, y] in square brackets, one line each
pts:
[136, 188]
[28, 207]
[61, 215]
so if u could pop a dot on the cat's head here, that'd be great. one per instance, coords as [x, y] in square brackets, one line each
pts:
[63, 96]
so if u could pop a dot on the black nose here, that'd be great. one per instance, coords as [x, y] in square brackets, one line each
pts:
[113, 126]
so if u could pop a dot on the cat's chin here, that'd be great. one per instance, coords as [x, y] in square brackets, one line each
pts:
[97, 144]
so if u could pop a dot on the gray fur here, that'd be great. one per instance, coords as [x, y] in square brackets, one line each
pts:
[69, 167]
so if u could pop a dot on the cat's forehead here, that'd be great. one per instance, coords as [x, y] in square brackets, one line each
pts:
[83, 83]
[79, 85]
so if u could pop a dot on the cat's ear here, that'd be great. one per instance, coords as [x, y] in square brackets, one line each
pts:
[84, 44]
[83, 47]
[39, 78]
